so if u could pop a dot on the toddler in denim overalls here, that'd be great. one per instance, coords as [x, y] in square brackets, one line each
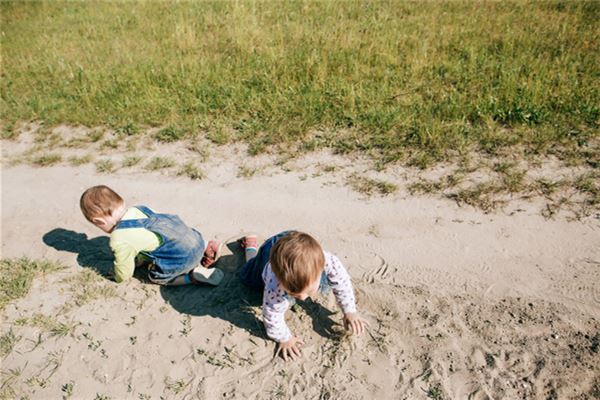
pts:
[175, 253]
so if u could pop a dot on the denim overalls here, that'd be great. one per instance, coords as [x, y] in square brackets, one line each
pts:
[181, 247]
[251, 272]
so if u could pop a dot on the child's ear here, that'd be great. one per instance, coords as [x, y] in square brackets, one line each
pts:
[98, 221]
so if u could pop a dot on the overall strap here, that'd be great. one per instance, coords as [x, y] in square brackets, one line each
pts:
[131, 223]
[145, 210]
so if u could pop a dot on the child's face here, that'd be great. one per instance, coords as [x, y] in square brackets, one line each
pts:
[310, 291]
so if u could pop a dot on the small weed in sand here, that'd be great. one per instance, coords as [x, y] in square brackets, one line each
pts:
[186, 323]
[76, 161]
[7, 343]
[190, 170]
[16, 276]
[435, 393]
[245, 172]
[105, 166]
[133, 340]
[370, 186]
[130, 161]
[479, 195]
[177, 386]
[169, 134]
[218, 136]
[67, 389]
[47, 159]
[158, 163]
[278, 392]
[101, 397]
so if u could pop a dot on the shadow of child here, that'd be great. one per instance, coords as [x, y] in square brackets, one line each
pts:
[91, 253]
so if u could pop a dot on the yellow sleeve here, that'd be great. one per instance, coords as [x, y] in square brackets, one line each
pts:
[124, 260]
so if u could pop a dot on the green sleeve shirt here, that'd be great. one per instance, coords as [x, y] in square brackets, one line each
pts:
[127, 243]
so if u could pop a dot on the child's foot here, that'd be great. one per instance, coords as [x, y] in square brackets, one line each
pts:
[201, 275]
[211, 254]
[249, 242]
[250, 246]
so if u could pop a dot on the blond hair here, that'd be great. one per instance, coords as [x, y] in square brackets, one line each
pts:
[297, 260]
[99, 201]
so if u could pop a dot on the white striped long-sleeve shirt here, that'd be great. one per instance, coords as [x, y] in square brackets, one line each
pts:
[276, 301]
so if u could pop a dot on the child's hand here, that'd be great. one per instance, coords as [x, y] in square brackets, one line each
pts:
[355, 323]
[290, 348]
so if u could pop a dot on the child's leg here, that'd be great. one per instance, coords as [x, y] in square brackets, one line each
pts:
[198, 275]
[250, 245]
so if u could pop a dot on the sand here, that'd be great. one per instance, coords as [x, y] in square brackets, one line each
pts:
[461, 304]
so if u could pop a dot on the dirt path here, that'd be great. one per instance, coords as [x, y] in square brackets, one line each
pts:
[461, 303]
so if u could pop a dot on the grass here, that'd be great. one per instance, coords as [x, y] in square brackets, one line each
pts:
[169, 134]
[16, 276]
[158, 163]
[7, 342]
[370, 186]
[87, 286]
[130, 161]
[51, 325]
[105, 166]
[48, 159]
[190, 170]
[370, 77]
[76, 161]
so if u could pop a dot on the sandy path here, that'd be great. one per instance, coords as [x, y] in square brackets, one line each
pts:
[461, 303]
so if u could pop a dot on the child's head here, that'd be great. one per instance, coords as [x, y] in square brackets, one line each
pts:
[102, 206]
[298, 261]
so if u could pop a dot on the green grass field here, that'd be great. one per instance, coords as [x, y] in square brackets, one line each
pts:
[416, 82]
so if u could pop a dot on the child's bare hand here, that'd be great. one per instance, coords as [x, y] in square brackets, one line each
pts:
[290, 349]
[355, 323]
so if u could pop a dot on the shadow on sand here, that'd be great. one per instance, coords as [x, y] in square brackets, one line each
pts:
[91, 253]
[232, 301]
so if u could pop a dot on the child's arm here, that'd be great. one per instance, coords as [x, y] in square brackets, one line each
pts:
[124, 260]
[341, 284]
[275, 304]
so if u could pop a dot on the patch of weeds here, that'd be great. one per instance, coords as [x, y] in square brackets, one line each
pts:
[186, 323]
[9, 377]
[190, 170]
[177, 386]
[7, 343]
[51, 325]
[9, 132]
[105, 166]
[245, 172]
[47, 159]
[16, 276]
[278, 392]
[158, 163]
[370, 186]
[479, 195]
[67, 389]
[218, 136]
[199, 149]
[132, 322]
[130, 161]
[95, 136]
[129, 129]
[169, 134]
[425, 186]
[588, 184]
[76, 161]
[101, 397]
[110, 144]
[87, 286]
[133, 340]
[548, 187]
[435, 392]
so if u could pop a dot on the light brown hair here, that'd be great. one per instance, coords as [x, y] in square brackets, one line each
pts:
[99, 201]
[297, 260]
